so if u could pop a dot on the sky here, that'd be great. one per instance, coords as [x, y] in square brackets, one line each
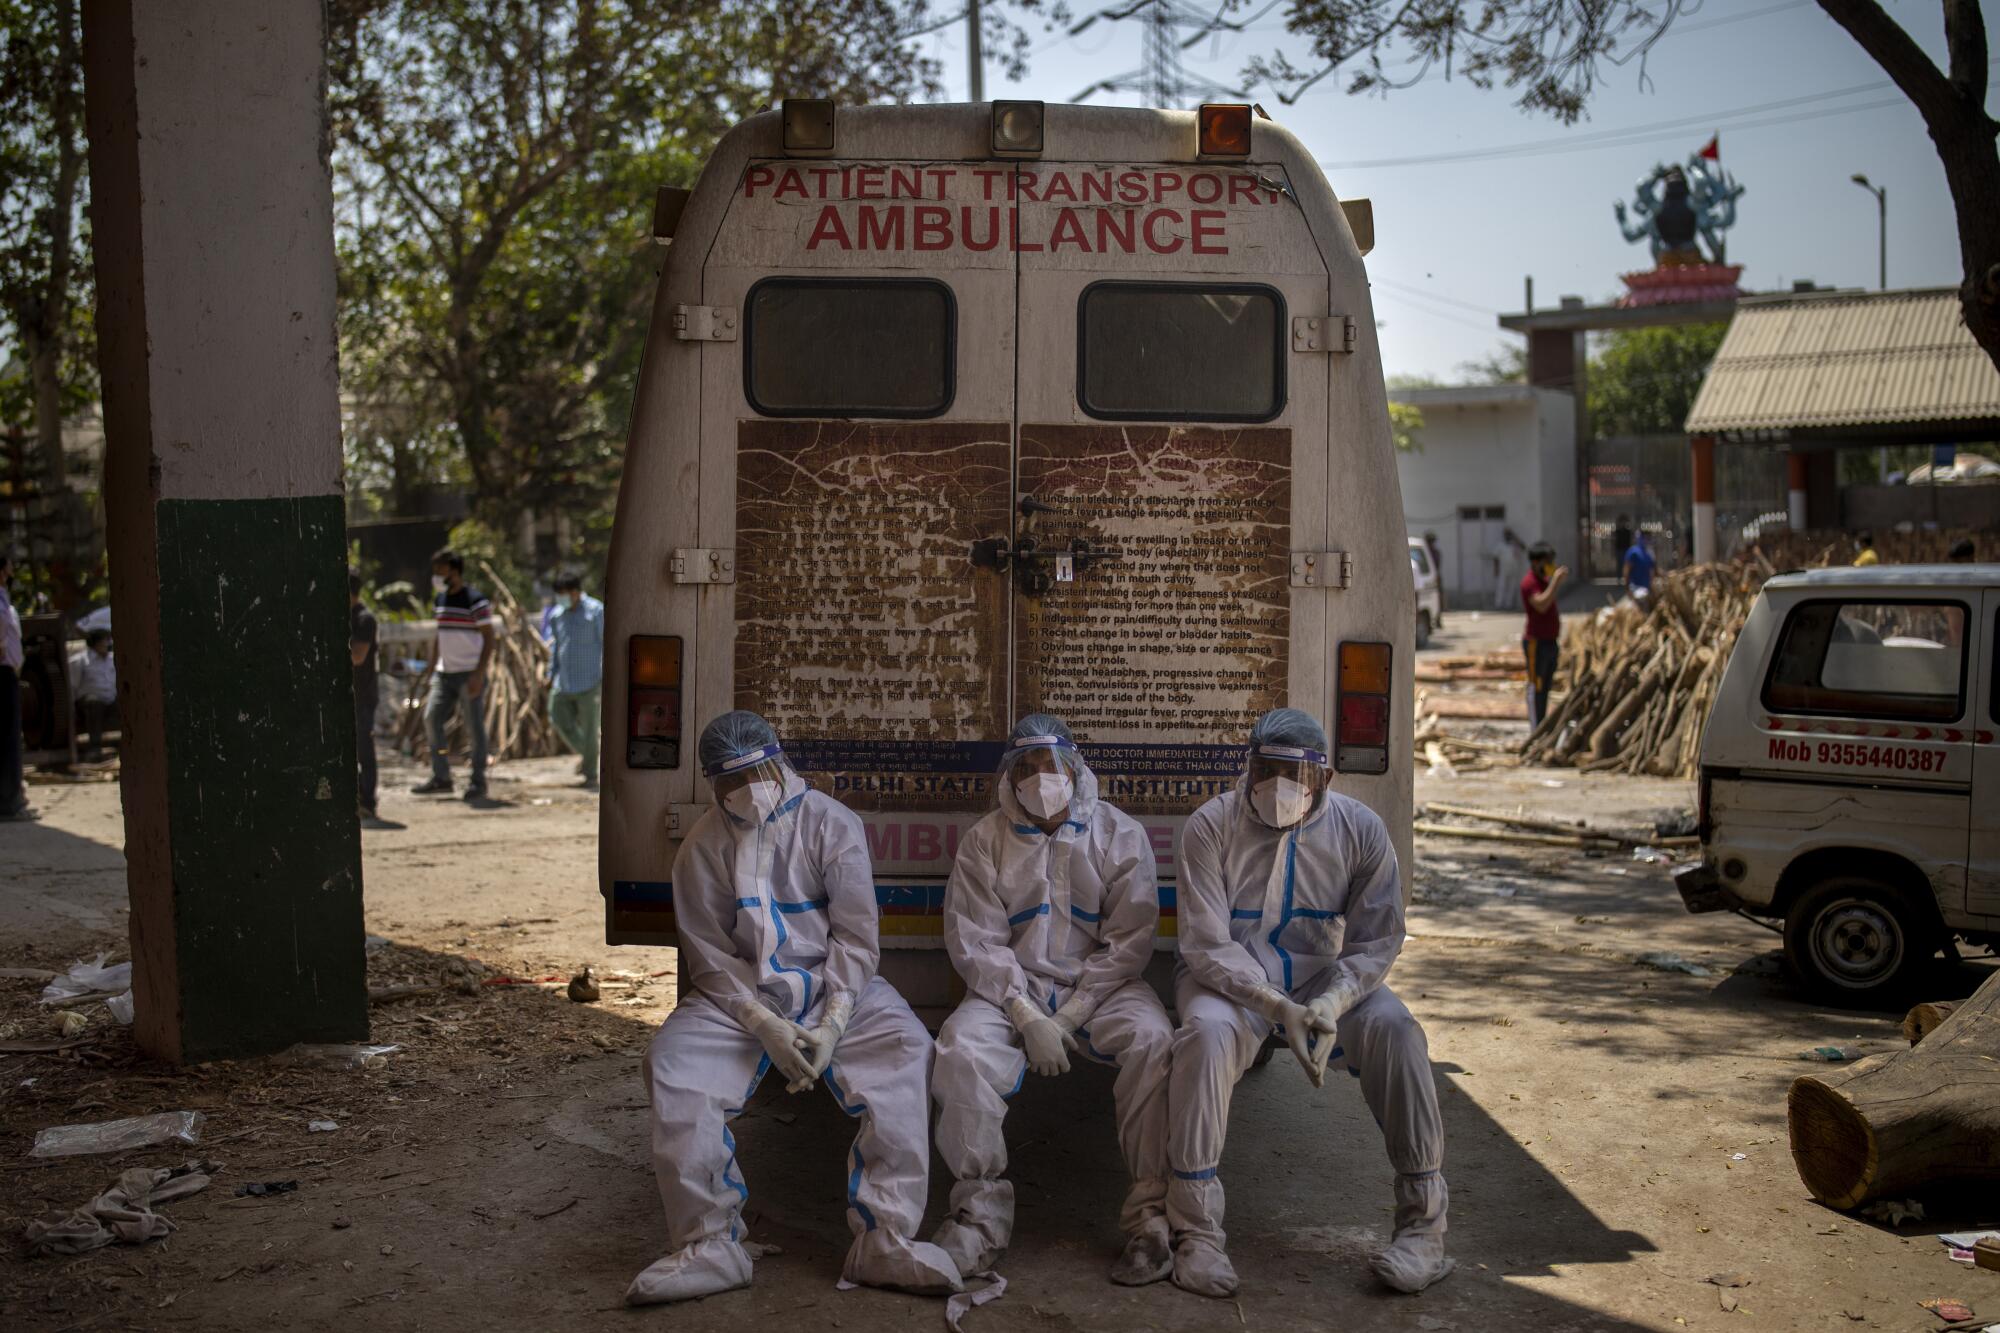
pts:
[1799, 106]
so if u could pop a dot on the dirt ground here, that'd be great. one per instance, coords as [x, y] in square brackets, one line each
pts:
[1616, 1131]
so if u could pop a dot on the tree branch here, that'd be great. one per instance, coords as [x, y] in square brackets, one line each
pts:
[1965, 43]
[1900, 57]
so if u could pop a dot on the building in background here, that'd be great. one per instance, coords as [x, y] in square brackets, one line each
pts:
[1490, 457]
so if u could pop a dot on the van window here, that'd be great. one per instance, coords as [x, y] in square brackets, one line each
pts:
[1161, 351]
[1899, 660]
[849, 347]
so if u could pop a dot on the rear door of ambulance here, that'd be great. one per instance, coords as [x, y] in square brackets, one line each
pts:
[855, 448]
[1165, 417]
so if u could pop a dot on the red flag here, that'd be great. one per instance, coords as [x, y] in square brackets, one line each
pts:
[1713, 152]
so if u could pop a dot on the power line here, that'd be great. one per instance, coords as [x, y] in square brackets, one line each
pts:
[1418, 291]
[1635, 133]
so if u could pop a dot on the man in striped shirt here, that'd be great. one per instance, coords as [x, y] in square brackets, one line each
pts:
[458, 672]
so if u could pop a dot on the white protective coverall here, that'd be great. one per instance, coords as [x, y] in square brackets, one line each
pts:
[1303, 910]
[1066, 920]
[782, 913]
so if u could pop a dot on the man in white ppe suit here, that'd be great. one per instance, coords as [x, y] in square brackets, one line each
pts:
[1049, 917]
[774, 899]
[1291, 912]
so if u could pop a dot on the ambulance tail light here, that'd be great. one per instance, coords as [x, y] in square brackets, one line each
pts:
[808, 123]
[1017, 129]
[653, 701]
[1361, 708]
[1223, 129]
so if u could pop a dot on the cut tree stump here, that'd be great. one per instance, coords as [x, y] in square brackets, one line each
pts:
[1894, 1124]
[1923, 1020]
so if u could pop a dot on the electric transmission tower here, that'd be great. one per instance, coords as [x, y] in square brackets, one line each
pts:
[1163, 81]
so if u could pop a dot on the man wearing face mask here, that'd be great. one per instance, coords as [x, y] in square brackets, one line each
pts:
[1049, 917]
[1291, 912]
[774, 900]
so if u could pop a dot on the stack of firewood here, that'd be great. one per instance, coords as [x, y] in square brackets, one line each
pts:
[517, 689]
[1636, 682]
[1814, 550]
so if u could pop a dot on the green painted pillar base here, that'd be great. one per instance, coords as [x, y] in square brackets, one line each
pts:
[264, 847]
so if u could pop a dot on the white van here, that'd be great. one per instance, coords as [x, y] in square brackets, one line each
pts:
[1430, 593]
[1850, 773]
[953, 413]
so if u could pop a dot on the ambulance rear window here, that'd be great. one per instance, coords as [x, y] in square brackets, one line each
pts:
[1898, 660]
[1157, 351]
[849, 347]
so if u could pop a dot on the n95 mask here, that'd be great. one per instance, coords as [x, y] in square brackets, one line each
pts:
[754, 801]
[1281, 802]
[1045, 795]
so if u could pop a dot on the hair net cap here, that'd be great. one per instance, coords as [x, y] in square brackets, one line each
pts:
[732, 736]
[1289, 726]
[1039, 724]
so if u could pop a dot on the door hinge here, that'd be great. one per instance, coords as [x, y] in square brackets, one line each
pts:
[1323, 333]
[705, 323]
[700, 564]
[1322, 569]
[681, 818]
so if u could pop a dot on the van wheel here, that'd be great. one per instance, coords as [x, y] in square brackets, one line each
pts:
[1423, 629]
[1855, 940]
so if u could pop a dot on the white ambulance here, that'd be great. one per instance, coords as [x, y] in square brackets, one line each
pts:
[950, 414]
[1850, 773]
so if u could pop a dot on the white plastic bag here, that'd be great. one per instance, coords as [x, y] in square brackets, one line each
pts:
[145, 1131]
[90, 978]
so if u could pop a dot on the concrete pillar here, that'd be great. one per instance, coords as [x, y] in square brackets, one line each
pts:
[1702, 447]
[211, 205]
[1795, 489]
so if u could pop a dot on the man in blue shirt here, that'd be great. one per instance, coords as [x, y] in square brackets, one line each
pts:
[576, 670]
[1638, 567]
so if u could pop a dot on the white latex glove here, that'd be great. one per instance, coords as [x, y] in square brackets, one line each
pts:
[1300, 1025]
[1325, 1012]
[817, 1043]
[780, 1038]
[1071, 1018]
[1041, 1034]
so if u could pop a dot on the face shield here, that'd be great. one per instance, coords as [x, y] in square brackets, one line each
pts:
[1284, 782]
[1042, 772]
[752, 786]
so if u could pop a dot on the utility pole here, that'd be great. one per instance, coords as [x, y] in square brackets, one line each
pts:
[975, 58]
[1881, 194]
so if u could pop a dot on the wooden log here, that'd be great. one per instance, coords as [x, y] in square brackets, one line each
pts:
[1578, 840]
[1923, 1020]
[1894, 1124]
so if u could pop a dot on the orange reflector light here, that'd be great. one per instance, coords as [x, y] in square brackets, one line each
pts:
[1364, 668]
[808, 123]
[1224, 129]
[653, 701]
[656, 659]
[1361, 714]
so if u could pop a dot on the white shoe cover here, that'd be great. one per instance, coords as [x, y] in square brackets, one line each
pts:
[1148, 1256]
[1415, 1257]
[878, 1259]
[1201, 1268]
[968, 1249]
[1413, 1262]
[702, 1269]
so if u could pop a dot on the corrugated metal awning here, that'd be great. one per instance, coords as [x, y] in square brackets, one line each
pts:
[1812, 361]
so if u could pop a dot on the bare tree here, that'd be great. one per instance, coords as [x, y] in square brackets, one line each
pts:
[1551, 53]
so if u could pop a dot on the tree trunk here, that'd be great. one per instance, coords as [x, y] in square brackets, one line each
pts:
[1952, 102]
[1925, 1019]
[1894, 1124]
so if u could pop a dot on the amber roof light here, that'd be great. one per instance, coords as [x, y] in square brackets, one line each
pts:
[1224, 129]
